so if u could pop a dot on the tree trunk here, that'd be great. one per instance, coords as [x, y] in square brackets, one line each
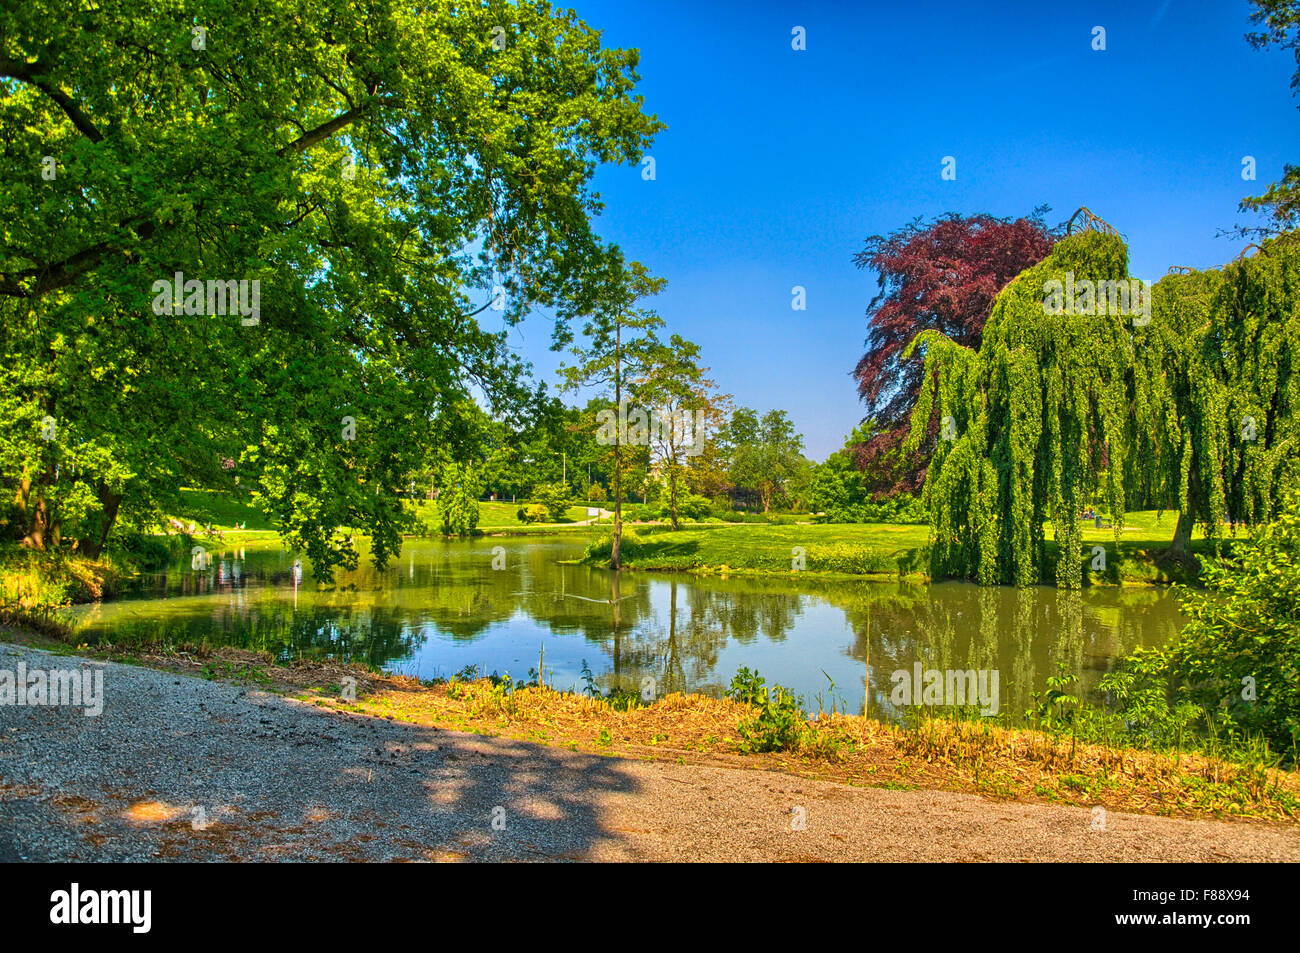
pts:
[110, 502]
[1180, 549]
[672, 495]
[614, 559]
[38, 525]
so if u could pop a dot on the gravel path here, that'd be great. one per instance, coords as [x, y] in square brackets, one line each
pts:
[185, 769]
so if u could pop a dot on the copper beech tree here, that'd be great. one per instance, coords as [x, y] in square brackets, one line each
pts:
[937, 276]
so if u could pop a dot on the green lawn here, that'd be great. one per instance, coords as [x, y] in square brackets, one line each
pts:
[856, 549]
[224, 513]
[873, 548]
[221, 510]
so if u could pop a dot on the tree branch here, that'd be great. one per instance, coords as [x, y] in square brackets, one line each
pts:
[31, 73]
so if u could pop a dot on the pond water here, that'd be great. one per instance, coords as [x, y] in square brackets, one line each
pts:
[442, 606]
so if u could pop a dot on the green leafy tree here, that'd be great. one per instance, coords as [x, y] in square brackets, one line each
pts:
[1217, 381]
[368, 168]
[1192, 406]
[766, 454]
[687, 408]
[839, 488]
[1032, 425]
[457, 501]
[1279, 25]
[556, 497]
[1242, 644]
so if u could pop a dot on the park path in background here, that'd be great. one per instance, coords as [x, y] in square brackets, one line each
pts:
[179, 768]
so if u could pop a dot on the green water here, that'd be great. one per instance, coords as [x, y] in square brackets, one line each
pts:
[442, 606]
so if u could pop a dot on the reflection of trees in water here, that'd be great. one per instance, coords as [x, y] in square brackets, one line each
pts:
[373, 636]
[747, 609]
[1021, 633]
[677, 647]
[672, 628]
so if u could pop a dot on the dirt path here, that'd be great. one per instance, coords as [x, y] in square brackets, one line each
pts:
[181, 768]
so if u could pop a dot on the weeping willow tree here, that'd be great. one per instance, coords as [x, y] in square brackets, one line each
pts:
[1219, 370]
[1183, 397]
[1035, 422]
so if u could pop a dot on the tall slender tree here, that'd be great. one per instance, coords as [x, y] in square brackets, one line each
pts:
[619, 348]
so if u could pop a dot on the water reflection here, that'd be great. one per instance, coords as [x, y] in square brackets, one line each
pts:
[442, 606]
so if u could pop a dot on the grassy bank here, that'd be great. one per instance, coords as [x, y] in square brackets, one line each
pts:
[871, 549]
[933, 753]
[32, 581]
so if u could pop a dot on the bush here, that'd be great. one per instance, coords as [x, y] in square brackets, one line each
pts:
[1140, 689]
[556, 497]
[147, 553]
[602, 549]
[780, 722]
[1234, 669]
[689, 506]
[1239, 656]
[900, 508]
[532, 513]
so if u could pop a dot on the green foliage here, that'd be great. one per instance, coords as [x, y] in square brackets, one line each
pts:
[1218, 383]
[556, 498]
[838, 489]
[1244, 635]
[1140, 690]
[766, 454]
[600, 550]
[533, 513]
[1055, 412]
[1040, 421]
[779, 723]
[376, 170]
[693, 507]
[457, 503]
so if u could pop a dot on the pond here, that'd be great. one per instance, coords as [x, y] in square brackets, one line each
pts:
[508, 604]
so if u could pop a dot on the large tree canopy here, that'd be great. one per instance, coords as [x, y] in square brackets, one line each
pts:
[376, 167]
[941, 276]
[1219, 369]
[1038, 419]
[1190, 407]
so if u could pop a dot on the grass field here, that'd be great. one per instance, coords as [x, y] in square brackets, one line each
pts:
[225, 514]
[871, 548]
[857, 549]
[501, 515]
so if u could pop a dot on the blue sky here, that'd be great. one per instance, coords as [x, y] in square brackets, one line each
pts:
[777, 164]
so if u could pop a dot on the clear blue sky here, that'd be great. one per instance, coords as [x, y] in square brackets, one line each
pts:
[777, 164]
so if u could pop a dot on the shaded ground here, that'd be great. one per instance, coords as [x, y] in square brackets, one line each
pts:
[186, 769]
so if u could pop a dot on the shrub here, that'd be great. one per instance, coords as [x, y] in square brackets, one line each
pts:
[556, 497]
[532, 513]
[779, 724]
[145, 552]
[1240, 653]
[602, 549]
[688, 507]
[900, 508]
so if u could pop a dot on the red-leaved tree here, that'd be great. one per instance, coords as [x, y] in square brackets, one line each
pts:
[944, 276]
